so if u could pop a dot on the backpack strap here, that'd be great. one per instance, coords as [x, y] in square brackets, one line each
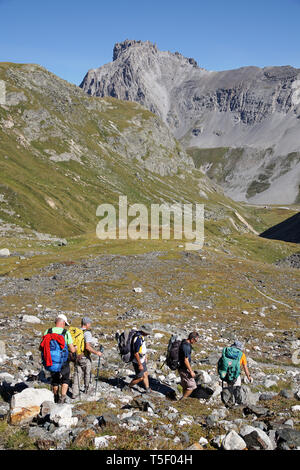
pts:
[136, 335]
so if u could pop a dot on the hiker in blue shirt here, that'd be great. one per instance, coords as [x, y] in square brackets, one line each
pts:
[185, 370]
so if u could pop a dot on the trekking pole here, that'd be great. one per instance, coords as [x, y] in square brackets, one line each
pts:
[97, 378]
[76, 366]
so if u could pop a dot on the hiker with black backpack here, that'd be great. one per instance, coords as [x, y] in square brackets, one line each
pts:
[139, 361]
[185, 370]
[83, 361]
[132, 348]
[55, 347]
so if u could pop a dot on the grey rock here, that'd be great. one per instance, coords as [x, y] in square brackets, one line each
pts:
[15, 98]
[244, 396]
[4, 410]
[287, 393]
[261, 425]
[46, 408]
[287, 438]
[167, 429]
[232, 441]
[142, 405]
[239, 395]
[269, 383]
[259, 411]
[6, 377]
[108, 418]
[267, 396]
[31, 397]
[258, 440]
[203, 378]
[4, 253]
[30, 319]
[185, 438]
[211, 420]
[289, 422]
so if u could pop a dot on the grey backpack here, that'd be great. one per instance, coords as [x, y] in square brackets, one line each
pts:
[125, 343]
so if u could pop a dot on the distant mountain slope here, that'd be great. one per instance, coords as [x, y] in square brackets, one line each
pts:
[62, 153]
[253, 110]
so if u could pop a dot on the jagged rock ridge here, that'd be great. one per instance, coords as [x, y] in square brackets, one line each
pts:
[256, 110]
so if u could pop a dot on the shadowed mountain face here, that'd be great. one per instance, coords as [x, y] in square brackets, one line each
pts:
[253, 111]
[288, 230]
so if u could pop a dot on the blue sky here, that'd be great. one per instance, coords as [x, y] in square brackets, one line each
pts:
[69, 37]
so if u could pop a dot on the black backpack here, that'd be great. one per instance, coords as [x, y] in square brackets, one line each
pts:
[172, 357]
[125, 342]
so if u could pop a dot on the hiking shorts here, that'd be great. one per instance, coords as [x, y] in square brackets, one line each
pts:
[62, 377]
[187, 382]
[139, 373]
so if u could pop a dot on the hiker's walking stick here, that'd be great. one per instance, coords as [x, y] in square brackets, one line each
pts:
[77, 372]
[97, 378]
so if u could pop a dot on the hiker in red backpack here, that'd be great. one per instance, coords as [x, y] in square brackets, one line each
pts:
[61, 376]
[185, 370]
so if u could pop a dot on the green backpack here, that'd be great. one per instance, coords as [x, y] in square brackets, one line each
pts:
[229, 364]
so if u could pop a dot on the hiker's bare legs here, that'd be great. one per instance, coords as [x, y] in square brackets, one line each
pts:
[55, 390]
[186, 394]
[135, 382]
[64, 389]
[144, 379]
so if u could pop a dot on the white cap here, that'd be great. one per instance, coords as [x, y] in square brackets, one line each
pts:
[64, 318]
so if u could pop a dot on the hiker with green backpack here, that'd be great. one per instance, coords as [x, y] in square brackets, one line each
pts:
[82, 362]
[230, 363]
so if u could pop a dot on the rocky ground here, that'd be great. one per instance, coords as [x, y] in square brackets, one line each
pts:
[221, 297]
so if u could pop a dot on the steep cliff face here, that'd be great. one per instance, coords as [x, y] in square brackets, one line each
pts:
[253, 109]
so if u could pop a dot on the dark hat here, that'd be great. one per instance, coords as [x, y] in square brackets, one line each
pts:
[194, 335]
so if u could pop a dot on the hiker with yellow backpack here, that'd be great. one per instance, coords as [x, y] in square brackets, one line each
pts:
[82, 340]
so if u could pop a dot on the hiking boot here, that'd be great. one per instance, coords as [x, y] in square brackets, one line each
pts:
[62, 399]
[56, 398]
[148, 390]
[171, 395]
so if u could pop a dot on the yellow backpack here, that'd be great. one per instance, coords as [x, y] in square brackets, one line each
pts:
[78, 340]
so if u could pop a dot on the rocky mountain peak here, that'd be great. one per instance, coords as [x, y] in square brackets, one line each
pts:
[121, 47]
[146, 47]
[253, 110]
